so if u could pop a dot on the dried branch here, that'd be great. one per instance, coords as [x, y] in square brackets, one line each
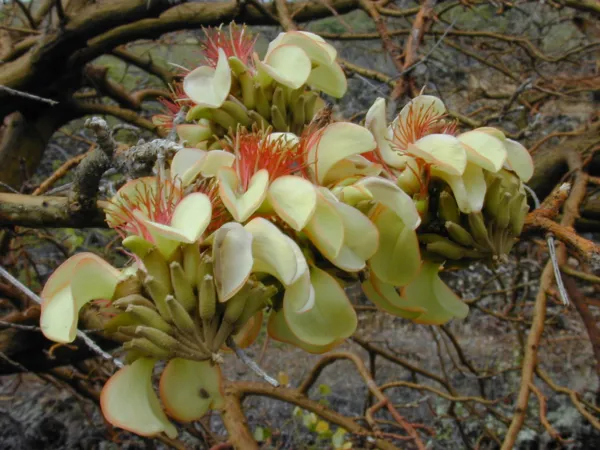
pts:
[571, 209]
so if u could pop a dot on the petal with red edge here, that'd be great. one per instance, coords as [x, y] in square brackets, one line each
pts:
[128, 401]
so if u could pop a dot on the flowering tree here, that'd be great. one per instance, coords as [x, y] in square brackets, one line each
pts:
[262, 209]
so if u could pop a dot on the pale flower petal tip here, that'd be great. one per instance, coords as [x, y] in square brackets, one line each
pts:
[79, 280]
[128, 401]
[208, 87]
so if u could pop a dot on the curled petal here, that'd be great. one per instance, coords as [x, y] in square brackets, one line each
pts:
[193, 133]
[128, 401]
[386, 297]
[232, 259]
[279, 330]
[186, 164]
[80, 279]
[316, 49]
[286, 64]
[208, 87]
[328, 78]
[325, 229]
[294, 199]
[519, 159]
[337, 142]
[468, 189]
[390, 195]
[432, 294]
[299, 296]
[376, 122]
[190, 219]
[189, 389]
[242, 206]
[330, 319]
[361, 239]
[215, 159]
[272, 251]
[442, 150]
[398, 258]
[483, 149]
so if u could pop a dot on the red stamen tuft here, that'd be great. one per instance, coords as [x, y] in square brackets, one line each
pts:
[234, 40]
[255, 151]
[173, 105]
[418, 123]
[157, 203]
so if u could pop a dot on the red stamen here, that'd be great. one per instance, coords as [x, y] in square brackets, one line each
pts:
[235, 41]
[255, 151]
[157, 204]
[417, 124]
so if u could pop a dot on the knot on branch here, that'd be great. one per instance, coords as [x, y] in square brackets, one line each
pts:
[139, 160]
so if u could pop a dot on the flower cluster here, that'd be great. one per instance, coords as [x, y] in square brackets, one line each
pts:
[268, 214]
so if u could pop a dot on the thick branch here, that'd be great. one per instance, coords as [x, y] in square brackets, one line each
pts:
[47, 212]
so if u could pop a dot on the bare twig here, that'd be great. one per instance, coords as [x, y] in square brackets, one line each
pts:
[26, 95]
[251, 363]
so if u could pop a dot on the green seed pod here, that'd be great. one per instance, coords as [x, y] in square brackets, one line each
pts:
[247, 86]
[492, 203]
[278, 119]
[179, 316]
[199, 112]
[133, 299]
[149, 317]
[235, 305]
[515, 206]
[279, 101]
[157, 337]
[237, 111]
[182, 287]
[447, 249]
[503, 216]
[224, 119]
[221, 336]
[309, 106]
[158, 292]
[257, 300]
[147, 348]
[448, 209]
[518, 222]
[262, 103]
[298, 116]
[259, 120]
[478, 229]
[459, 234]
[207, 298]
[428, 238]
[158, 268]
[191, 262]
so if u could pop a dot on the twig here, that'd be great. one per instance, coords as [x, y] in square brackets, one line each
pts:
[565, 187]
[18, 326]
[251, 363]
[84, 337]
[26, 95]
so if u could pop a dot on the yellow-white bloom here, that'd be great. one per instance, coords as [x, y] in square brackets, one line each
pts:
[296, 58]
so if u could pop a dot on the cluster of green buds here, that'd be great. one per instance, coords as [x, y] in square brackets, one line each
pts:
[487, 235]
[267, 213]
[235, 88]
